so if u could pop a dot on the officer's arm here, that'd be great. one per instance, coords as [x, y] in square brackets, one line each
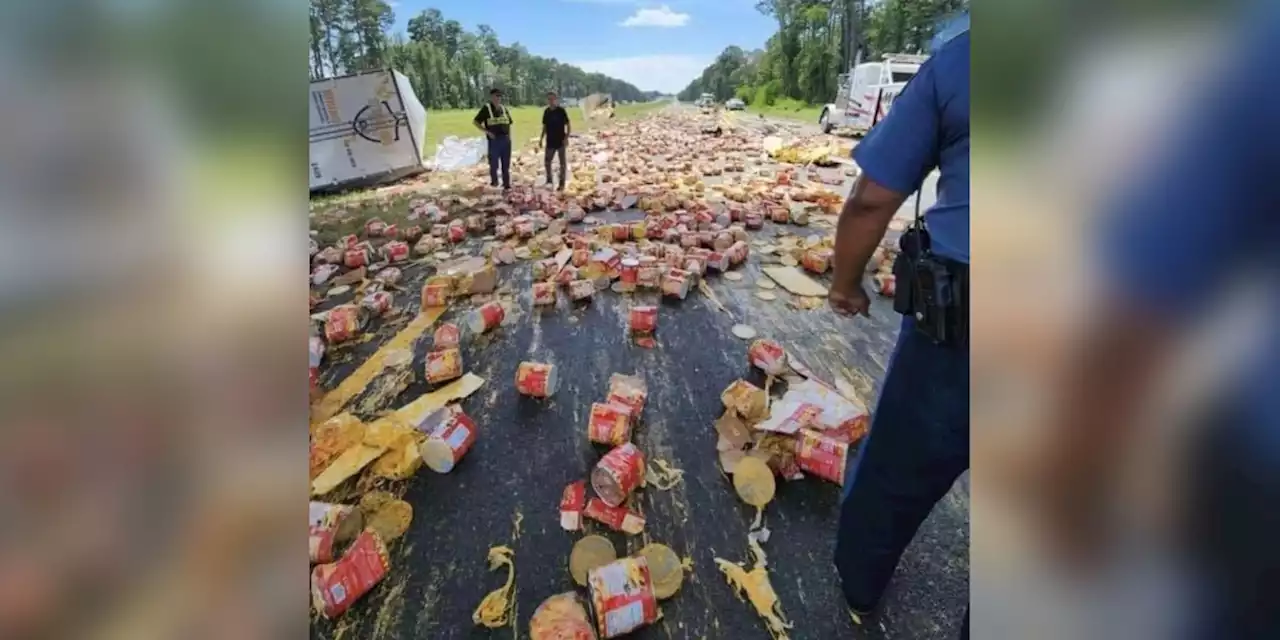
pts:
[479, 121]
[894, 157]
[543, 135]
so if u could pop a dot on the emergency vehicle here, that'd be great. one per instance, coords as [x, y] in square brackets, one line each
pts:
[867, 92]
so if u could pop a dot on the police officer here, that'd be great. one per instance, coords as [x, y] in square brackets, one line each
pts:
[919, 440]
[495, 121]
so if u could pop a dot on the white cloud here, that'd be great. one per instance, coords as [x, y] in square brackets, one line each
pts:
[665, 73]
[661, 17]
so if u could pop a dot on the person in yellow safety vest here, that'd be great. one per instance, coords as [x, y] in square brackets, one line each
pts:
[495, 121]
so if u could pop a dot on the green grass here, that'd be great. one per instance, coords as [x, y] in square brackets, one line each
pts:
[527, 122]
[792, 110]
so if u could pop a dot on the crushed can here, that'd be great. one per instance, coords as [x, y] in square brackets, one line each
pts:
[609, 423]
[822, 455]
[544, 294]
[396, 251]
[581, 290]
[572, 502]
[485, 318]
[618, 473]
[457, 233]
[628, 391]
[355, 258]
[336, 586]
[739, 252]
[447, 336]
[643, 320]
[676, 283]
[448, 441]
[609, 259]
[536, 379]
[622, 597]
[768, 356]
[389, 275]
[443, 365]
[331, 525]
[545, 269]
[378, 302]
[342, 323]
[616, 518]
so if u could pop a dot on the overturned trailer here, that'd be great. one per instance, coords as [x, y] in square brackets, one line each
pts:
[365, 128]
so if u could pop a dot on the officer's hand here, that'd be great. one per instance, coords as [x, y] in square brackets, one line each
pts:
[850, 301]
[489, 134]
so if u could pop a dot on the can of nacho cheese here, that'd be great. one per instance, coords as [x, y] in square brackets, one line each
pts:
[822, 455]
[336, 586]
[618, 473]
[342, 323]
[581, 290]
[355, 258]
[443, 365]
[643, 319]
[448, 442]
[630, 274]
[435, 295]
[485, 318]
[676, 283]
[622, 597]
[536, 379]
[447, 336]
[544, 293]
[609, 424]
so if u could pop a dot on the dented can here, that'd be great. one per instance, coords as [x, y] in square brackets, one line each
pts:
[447, 336]
[676, 283]
[378, 302]
[544, 293]
[395, 251]
[643, 319]
[616, 518]
[718, 261]
[335, 586]
[331, 525]
[629, 391]
[816, 260]
[435, 294]
[582, 290]
[536, 379]
[630, 274]
[457, 233]
[768, 356]
[572, 503]
[448, 442]
[342, 323]
[485, 318]
[443, 365]
[355, 258]
[609, 259]
[822, 455]
[618, 473]
[622, 597]
[609, 423]
[739, 252]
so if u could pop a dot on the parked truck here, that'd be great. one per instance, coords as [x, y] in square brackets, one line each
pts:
[365, 128]
[867, 92]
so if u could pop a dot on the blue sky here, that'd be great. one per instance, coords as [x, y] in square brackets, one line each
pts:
[657, 46]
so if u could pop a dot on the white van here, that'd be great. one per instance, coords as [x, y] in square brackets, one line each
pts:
[867, 92]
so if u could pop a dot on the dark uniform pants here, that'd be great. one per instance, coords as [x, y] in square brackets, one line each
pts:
[918, 446]
[500, 154]
[564, 166]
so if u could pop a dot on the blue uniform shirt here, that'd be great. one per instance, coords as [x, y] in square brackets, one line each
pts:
[1210, 210]
[928, 128]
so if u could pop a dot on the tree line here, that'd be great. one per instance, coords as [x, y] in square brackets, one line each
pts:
[448, 66]
[816, 41]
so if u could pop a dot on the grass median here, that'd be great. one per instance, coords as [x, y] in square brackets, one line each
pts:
[527, 122]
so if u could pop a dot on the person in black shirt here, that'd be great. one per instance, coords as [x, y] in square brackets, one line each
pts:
[495, 121]
[555, 129]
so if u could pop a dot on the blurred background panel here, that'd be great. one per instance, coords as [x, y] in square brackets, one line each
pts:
[152, 209]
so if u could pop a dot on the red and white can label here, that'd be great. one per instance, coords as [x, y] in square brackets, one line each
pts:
[341, 324]
[487, 317]
[435, 295]
[396, 251]
[581, 289]
[354, 258]
[696, 265]
[816, 260]
[572, 503]
[447, 336]
[718, 261]
[348, 242]
[768, 356]
[780, 215]
[567, 275]
[391, 231]
[412, 234]
[608, 258]
[374, 227]
[545, 269]
[443, 364]
[821, 455]
[377, 302]
[644, 319]
[334, 587]
[616, 518]
[630, 275]
[536, 379]
[754, 221]
[609, 424]
[544, 293]
[739, 252]
[629, 391]
[618, 473]
[449, 442]
[621, 232]
[676, 283]
[622, 597]
[457, 233]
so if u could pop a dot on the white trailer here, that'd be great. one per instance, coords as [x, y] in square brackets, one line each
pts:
[867, 92]
[365, 128]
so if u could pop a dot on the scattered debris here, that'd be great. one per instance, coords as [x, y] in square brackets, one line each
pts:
[498, 607]
[743, 331]
[754, 584]
[561, 617]
[589, 553]
[662, 476]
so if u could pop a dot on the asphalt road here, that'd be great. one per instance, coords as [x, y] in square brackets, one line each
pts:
[528, 451]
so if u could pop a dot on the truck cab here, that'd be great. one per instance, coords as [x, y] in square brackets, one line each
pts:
[867, 92]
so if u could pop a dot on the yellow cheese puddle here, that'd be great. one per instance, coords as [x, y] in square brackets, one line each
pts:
[755, 584]
[496, 608]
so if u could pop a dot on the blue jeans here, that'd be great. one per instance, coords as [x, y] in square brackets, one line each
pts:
[500, 153]
[918, 446]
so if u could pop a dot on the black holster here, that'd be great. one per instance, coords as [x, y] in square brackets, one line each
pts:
[932, 290]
